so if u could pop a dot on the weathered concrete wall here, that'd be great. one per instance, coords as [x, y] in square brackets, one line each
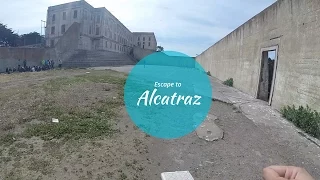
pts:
[293, 26]
[145, 40]
[12, 57]
[64, 48]
[139, 53]
[68, 43]
[96, 23]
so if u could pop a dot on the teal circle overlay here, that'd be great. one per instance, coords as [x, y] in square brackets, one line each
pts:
[168, 95]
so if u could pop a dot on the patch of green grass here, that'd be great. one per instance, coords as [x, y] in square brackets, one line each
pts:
[13, 175]
[56, 84]
[5, 159]
[8, 139]
[228, 82]
[78, 122]
[110, 77]
[75, 122]
[304, 118]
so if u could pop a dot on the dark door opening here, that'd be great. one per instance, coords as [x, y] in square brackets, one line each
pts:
[267, 75]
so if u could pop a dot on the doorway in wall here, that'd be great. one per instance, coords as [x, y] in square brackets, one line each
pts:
[268, 71]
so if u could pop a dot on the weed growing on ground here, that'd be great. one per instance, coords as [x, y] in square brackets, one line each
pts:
[304, 118]
[229, 82]
[7, 139]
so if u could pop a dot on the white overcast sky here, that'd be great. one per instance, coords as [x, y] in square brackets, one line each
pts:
[188, 26]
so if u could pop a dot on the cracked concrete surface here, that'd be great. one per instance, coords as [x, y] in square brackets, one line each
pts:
[208, 130]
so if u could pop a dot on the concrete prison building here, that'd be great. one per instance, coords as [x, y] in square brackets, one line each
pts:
[275, 56]
[145, 40]
[99, 29]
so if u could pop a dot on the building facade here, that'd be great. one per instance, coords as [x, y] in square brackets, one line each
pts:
[99, 29]
[145, 40]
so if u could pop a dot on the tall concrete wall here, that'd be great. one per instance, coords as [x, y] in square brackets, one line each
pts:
[64, 48]
[293, 26]
[68, 43]
[12, 57]
[139, 53]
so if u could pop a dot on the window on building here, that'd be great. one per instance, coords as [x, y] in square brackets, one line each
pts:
[139, 43]
[106, 44]
[115, 47]
[138, 38]
[149, 38]
[110, 45]
[53, 29]
[63, 28]
[149, 44]
[143, 43]
[52, 43]
[75, 14]
[97, 31]
[90, 30]
[64, 16]
[143, 46]
[144, 38]
[85, 15]
[53, 18]
[98, 19]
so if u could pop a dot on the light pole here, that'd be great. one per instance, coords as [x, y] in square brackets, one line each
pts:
[43, 25]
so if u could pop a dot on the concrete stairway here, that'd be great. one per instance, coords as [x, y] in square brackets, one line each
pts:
[85, 58]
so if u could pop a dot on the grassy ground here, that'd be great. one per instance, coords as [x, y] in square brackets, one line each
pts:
[54, 99]
[88, 106]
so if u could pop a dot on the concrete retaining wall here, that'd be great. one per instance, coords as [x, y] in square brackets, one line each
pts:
[68, 43]
[293, 26]
[64, 49]
[12, 57]
[139, 53]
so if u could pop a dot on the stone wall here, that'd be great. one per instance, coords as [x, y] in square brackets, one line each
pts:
[12, 57]
[292, 26]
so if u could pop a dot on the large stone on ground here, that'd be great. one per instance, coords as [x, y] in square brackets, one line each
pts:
[208, 130]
